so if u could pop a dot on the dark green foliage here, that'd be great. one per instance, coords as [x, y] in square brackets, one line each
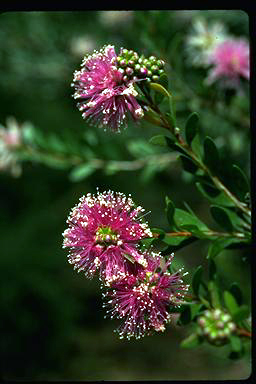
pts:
[211, 156]
[196, 280]
[222, 218]
[191, 127]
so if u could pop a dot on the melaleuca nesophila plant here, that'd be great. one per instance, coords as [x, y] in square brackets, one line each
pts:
[108, 237]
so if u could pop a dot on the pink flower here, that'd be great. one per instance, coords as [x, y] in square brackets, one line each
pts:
[231, 60]
[143, 301]
[103, 234]
[104, 97]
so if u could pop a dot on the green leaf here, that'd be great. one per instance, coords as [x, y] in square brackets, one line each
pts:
[170, 210]
[211, 155]
[183, 218]
[236, 343]
[82, 171]
[240, 182]
[221, 217]
[191, 341]
[196, 280]
[191, 127]
[220, 198]
[159, 88]
[163, 91]
[219, 245]
[173, 248]
[187, 164]
[159, 231]
[174, 240]
[241, 313]
[197, 146]
[163, 80]
[139, 148]
[151, 116]
[236, 292]
[196, 309]
[56, 144]
[215, 294]
[230, 302]
[162, 140]
[212, 269]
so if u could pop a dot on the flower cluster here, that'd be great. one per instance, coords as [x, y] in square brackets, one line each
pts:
[202, 40]
[230, 61]
[105, 86]
[104, 234]
[134, 67]
[143, 301]
[226, 56]
[216, 326]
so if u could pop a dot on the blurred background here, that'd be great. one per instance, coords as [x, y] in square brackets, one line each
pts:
[53, 325]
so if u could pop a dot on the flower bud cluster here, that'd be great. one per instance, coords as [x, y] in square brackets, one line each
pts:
[216, 326]
[134, 67]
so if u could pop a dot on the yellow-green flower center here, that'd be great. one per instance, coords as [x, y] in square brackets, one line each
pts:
[106, 236]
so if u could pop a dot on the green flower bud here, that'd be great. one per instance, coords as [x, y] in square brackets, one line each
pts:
[216, 314]
[123, 63]
[160, 63]
[155, 78]
[231, 327]
[220, 325]
[153, 59]
[225, 317]
[154, 68]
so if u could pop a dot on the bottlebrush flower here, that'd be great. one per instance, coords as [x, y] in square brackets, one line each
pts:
[230, 60]
[143, 301]
[103, 234]
[104, 98]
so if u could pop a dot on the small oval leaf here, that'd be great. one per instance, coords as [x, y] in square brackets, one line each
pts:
[191, 127]
[211, 155]
[221, 217]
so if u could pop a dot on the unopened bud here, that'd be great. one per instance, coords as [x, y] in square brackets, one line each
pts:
[123, 63]
[144, 71]
[129, 71]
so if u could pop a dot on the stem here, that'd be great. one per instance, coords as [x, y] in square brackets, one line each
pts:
[243, 332]
[207, 233]
[216, 181]
[132, 165]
